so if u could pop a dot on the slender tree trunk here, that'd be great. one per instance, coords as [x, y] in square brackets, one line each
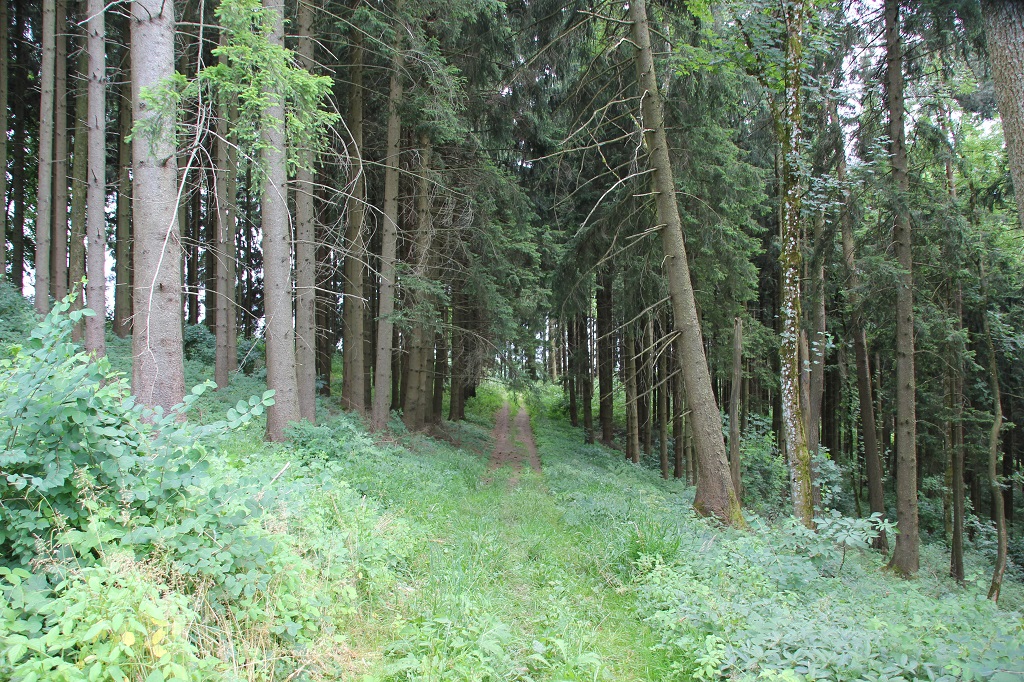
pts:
[96, 193]
[715, 495]
[277, 255]
[4, 66]
[873, 464]
[816, 350]
[734, 406]
[158, 374]
[572, 376]
[59, 231]
[956, 559]
[389, 243]
[998, 508]
[44, 183]
[353, 387]
[678, 409]
[122, 245]
[225, 179]
[645, 386]
[605, 354]
[18, 172]
[417, 394]
[586, 379]
[440, 368]
[79, 188]
[663, 417]
[632, 430]
[905, 558]
[305, 245]
[1004, 31]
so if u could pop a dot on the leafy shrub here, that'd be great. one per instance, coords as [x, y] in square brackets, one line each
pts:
[765, 475]
[199, 343]
[16, 314]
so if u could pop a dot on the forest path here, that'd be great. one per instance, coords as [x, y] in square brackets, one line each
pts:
[513, 443]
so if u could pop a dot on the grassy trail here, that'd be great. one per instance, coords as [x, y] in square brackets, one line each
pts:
[503, 571]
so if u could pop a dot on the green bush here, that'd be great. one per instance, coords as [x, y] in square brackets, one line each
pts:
[199, 343]
[16, 315]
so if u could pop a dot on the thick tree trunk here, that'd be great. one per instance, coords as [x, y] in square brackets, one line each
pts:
[790, 137]
[277, 255]
[96, 194]
[873, 464]
[715, 495]
[605, 354]
[353, 387]
[1004, 31]
[122, 246]
[59, 230]
[158, 375]
[44, 182]
[389, 243]
[905, 558]
[225, 179]
[734, 406]
[305, 245]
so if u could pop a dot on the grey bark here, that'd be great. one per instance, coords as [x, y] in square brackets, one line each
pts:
[158, 374]
[79, 185]
[389, 245]
[96, 195]
[353, 387]
[305, 245]
[715, 495]
[226, 358]
[122, 245]
[59, 230]
[905, 558]
[1004, 31]
[44, 182]
[277, 254]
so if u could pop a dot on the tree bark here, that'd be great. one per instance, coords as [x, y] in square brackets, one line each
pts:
[417, 394]
[905, 559]
[605, 354]
[226, 359]
[79, 187]
[18, 172]
[96, 193]
[632, 430]
[873, 464]
[715, 495]
[663, 384]
[305, 244]
[353, 386]
[956, 559]
[734, 406]
[59, 230]
[122, 246]
[389, 241]
[998, 508]
[44, 182]
[678, 409]
[4, 66]
[158, 374]
[586, 378]
[277, 255]
[1004, 32]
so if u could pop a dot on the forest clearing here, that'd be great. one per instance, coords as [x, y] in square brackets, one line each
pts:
[512, 340]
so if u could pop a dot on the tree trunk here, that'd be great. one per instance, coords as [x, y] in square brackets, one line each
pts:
[632, 430]
[389, 242]
[663, 384]
[572, 376]
[96, 193]
[605, 354]
[305, 244]
[734, 406]
[586, 378]
[1004, 31]
[790, 131]
[18, 172]
[277, 255]
[417, 395]
[158, 374]
[715, 495]
[678, 408]
[44, 182]
[353, 387]
[873, 464]
[440, 368]
[226, 190]
[59, 238]
[998, 508]
[905, 558]
[4, 66]
[645, 387]
[79, 187]
[956, 559]
[122, 245]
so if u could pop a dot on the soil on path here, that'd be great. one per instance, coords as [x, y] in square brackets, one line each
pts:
[513, 443]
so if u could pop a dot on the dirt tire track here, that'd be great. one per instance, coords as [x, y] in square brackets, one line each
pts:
[515, 452]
